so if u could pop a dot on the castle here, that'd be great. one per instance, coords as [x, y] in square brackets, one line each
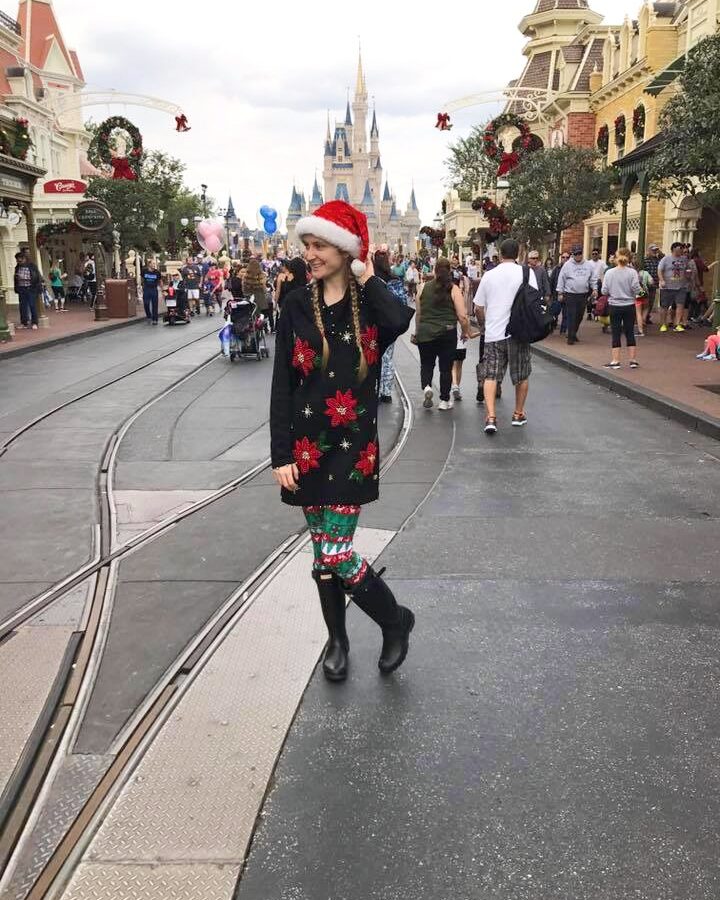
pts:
[352, 171]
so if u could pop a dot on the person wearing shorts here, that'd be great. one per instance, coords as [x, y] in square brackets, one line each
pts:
[460, 355]
[493, 303]
[675, 281]
[192, 275]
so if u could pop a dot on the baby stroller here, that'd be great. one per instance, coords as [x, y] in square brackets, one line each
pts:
[245, 331]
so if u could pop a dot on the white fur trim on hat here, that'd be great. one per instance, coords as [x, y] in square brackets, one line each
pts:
[328, 231]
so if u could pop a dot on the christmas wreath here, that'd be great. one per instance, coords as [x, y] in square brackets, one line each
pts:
[493, 149]
[638, 122]
[620, 131]
[20, 142]
[496, 216]
[101, 146]
[436, 235]
[603, 139]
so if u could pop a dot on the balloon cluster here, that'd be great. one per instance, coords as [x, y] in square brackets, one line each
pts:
[269, 217]
[211, 235]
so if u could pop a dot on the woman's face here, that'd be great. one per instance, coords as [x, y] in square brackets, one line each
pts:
[324, 259]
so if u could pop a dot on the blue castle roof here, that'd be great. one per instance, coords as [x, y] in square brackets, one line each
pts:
[367, 199]
[341, 192]
[316, 195]
[386, 193]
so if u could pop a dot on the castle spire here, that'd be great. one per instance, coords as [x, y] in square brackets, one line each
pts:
[230, 208]
[348, 116]
[374, 133]
[360, 88]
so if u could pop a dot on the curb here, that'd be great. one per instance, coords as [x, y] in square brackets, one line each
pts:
[685, 415]
[67, 338]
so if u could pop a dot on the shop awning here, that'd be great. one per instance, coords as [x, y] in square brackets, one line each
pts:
[666, 77]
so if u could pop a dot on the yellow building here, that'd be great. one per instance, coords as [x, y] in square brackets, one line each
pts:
[640, 63]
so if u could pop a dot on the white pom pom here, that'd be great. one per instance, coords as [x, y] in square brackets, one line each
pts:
[358, 267]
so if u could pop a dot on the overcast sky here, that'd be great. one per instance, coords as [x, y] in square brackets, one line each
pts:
[256, 80]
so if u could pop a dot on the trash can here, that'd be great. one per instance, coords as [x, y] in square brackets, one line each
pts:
[119, 300]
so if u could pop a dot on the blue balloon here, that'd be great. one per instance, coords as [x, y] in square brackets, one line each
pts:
[269, 217]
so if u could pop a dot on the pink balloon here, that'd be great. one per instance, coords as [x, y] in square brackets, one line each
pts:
[211, 234]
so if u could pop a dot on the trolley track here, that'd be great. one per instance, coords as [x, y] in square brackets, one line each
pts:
[77, 679]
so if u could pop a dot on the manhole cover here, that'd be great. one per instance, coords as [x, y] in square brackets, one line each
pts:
[714, 388]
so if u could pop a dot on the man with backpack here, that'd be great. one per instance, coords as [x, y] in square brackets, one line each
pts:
[493, 306]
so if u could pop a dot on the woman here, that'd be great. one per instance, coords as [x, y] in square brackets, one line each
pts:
[394, 281]
[151, 283]
[254, 282]
[293, 274]
[235, 283]
[440, 308]
[621, 285]
[56, 283]
[323, 420]
[412, 278]
[642, 300]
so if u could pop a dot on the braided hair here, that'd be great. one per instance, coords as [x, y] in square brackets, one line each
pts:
[355, 309]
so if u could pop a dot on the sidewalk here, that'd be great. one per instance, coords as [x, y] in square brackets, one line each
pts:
[75, 322]
[668, 373]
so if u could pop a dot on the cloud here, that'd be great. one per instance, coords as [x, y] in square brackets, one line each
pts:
[256, 81]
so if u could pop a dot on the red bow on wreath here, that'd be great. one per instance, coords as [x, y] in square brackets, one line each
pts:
[122, 168]
[507, 163]
[443, 122]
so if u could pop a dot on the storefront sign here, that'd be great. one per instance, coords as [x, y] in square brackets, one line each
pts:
[65, 186]
[14, 183]
[91, 215]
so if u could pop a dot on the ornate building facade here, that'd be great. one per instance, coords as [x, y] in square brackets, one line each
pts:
[353, 171]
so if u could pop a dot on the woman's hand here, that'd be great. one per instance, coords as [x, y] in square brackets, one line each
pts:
[287, 476]
[369, 270]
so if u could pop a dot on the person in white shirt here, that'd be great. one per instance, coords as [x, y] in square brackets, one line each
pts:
[493, 304]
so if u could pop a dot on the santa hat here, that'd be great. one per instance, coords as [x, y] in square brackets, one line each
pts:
[341, 225]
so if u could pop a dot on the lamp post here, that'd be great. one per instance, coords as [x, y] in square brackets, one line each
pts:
[204, 199]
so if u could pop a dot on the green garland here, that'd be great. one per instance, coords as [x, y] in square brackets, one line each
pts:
[100, 147]
[20, 143]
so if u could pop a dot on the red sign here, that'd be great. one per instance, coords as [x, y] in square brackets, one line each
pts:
[65, 186]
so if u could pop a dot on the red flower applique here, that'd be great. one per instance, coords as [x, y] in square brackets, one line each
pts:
[306, 455]
[369, 341]
[368, 458]
[303, 357]
[341, 408]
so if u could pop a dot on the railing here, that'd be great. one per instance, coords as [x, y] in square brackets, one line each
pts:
[9, 23]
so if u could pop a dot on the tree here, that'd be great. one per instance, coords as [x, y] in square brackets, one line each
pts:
[688, 160]
[469, 167]
[552, 190]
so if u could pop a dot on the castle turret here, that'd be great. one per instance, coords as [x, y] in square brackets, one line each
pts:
[367, 204]
[317, 199]
[294, 214]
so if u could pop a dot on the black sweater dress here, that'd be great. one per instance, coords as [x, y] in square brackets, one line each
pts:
[325, 421]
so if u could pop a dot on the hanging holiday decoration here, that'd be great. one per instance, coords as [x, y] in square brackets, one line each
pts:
[181, 123]
[497, 219]
[496, 151]
[638, 122]
[443, 121]
[603, 139]
[436, 235]
[620, 131]
[124, 165]
[23, 141]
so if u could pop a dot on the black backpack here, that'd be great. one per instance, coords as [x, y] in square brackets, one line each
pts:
[530, 318]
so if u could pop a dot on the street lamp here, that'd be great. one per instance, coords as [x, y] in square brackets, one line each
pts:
[204, 188]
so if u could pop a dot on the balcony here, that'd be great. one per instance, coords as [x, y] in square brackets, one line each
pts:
[10, 24]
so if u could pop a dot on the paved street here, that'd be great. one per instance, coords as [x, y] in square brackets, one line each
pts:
[553, 732]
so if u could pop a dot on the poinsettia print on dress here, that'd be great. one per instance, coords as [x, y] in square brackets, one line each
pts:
[370, 345]
[307, 453]
[368, 458]
[304, 357]
[341, 409]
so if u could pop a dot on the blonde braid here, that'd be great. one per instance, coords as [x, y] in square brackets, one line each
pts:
[315, 290]
[355, 306]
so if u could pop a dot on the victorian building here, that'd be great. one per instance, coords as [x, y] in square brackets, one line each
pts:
[353, 171]
[40, 84]
[591, 84]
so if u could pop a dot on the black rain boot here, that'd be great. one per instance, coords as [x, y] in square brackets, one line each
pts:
[376, 600]
[332, 603]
